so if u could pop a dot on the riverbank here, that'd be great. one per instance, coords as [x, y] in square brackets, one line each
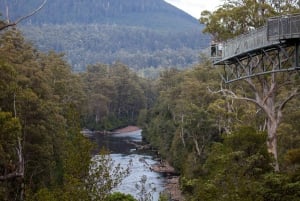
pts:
[127, 129]
[172, 186]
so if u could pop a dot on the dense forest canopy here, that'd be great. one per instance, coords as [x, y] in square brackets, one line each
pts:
[217, 143]
[43, 154]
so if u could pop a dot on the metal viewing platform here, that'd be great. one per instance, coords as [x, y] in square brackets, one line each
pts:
[269, 49]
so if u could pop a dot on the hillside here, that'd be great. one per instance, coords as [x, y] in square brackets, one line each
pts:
[140, 33]
[156, 14]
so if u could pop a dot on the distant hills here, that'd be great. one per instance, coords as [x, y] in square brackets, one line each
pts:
[140, 33]
[154, 14]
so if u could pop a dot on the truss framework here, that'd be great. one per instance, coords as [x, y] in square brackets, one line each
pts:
[282, 57]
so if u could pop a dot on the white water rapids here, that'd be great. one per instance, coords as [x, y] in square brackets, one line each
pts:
[141, 180]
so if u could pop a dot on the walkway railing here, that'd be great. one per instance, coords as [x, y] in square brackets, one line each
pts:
[277, 29]
[251, 41]
[284, 27]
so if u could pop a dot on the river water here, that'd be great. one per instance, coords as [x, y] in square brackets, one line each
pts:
[123, 151]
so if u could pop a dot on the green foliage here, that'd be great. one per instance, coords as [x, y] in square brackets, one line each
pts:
[179, 124]
[293, 157]
[115, 96]
[233, 169]
[229, 19]
[185, 126]
[119, 197]
[163, 197]
[10, 136]
[45, 98]
[104, 176]
[280, 187]
[240, 169]
[289, 139]
[10, 131]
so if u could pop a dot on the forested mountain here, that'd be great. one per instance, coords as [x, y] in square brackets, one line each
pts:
[155, 14]
[139, 33]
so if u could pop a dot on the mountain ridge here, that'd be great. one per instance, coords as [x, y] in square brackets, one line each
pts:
[147, 13]
[139, 33]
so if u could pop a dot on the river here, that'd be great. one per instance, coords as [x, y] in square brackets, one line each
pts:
[123, 150]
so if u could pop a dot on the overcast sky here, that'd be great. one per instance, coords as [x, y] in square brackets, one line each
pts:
[194, 7]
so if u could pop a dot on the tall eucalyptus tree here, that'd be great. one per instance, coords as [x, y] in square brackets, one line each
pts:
[272, 92]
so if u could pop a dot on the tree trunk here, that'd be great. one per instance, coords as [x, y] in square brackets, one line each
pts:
[15, 110]
[182, 130]
[272, 141]
[18, 173]
[197, 147]
[273, 120]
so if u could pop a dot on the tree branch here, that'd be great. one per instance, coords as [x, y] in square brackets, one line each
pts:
[282, 105]
[24, 17]
[254, 89]
[290, 97]
[231, 94]
[11, 176]
[271, 91]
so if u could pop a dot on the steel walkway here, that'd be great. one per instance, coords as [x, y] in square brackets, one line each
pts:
[269, 49]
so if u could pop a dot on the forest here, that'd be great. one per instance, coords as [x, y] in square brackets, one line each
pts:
[137, 47]
[215, 137]
[43, 154]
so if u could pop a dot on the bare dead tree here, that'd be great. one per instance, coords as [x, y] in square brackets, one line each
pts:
[10, 24]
